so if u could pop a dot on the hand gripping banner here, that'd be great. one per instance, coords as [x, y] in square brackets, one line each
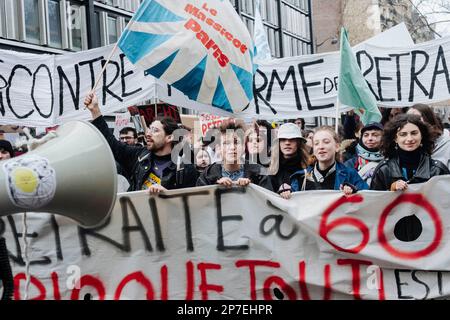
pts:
[244, 243]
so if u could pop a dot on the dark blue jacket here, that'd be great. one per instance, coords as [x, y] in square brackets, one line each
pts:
[343, 175]
[351, 163]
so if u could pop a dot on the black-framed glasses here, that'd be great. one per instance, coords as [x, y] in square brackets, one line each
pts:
[126, 138]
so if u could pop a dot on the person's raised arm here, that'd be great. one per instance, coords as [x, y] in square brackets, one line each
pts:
[91, 103]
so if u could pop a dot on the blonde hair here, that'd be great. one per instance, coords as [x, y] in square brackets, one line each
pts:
[336, 138]
[329, 130]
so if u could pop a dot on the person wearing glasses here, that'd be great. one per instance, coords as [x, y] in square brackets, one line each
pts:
[151, 168]
[129, 136]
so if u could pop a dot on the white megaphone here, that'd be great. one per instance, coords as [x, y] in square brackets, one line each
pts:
[73, 174]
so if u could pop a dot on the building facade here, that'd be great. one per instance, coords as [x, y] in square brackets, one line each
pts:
[393, 11]
[288, 24]
[58, 26]
[363, 20]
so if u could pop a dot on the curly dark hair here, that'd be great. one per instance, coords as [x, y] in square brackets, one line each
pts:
[392, 127]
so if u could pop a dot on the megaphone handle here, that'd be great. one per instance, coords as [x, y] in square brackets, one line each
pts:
[6, 275]
[25, 255]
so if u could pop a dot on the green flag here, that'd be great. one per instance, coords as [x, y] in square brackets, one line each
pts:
[353, 89]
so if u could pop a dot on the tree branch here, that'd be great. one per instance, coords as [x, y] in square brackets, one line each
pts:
[425, 19]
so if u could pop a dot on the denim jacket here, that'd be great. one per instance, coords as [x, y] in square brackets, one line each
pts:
[343, 175]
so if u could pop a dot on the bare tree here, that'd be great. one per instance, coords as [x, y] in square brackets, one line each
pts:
[436, 14]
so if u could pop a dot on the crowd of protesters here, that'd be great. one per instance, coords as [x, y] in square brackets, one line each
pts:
[408, 145]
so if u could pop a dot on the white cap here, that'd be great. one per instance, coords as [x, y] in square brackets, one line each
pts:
[290, 131]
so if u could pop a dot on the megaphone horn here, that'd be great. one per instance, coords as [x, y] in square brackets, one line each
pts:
[73, 175]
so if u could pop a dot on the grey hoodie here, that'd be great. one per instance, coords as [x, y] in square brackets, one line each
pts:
[441, 150]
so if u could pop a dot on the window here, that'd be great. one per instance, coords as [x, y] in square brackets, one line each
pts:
[112, 30]
[54, 23]
[76, 27]
[98, 27]
[11, 20]
[2, 18]
[32, 25]
[248, 7]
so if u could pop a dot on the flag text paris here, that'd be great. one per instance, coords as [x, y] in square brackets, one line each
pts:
[209, 43]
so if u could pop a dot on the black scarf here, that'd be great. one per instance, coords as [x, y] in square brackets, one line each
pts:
[288, 167]
[409, 161]
[293, 162]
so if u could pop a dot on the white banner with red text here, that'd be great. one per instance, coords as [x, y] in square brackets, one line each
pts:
[243, 243]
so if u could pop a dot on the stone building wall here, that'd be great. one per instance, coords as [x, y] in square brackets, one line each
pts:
[396, 11]
[363, 20]
[327, 21]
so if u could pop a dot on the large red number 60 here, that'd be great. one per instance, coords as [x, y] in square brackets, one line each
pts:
[326, 227]
[418, 200]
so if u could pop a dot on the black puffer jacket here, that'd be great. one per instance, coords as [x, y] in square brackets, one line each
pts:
[388, 171]
[137, 160]
[286, 169]
[251, 171]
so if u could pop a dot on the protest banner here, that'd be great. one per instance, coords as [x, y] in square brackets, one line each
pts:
[151, 111]
[208, 121]
[44, 90]
[138, 120]
[121, 121]
[243, 243]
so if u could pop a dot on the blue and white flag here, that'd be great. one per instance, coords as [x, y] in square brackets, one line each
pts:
[262, 51]
[200, 47]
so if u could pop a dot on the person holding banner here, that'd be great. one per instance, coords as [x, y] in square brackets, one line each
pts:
[326, 173]
[407, 144]
[441, 149]
[288, 155]
[232, 170]
[151, 168]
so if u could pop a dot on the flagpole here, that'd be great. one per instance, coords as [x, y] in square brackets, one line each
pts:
[130, 23]
[103, 70]
[156, 100]
[104, 67]
[337, 116]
